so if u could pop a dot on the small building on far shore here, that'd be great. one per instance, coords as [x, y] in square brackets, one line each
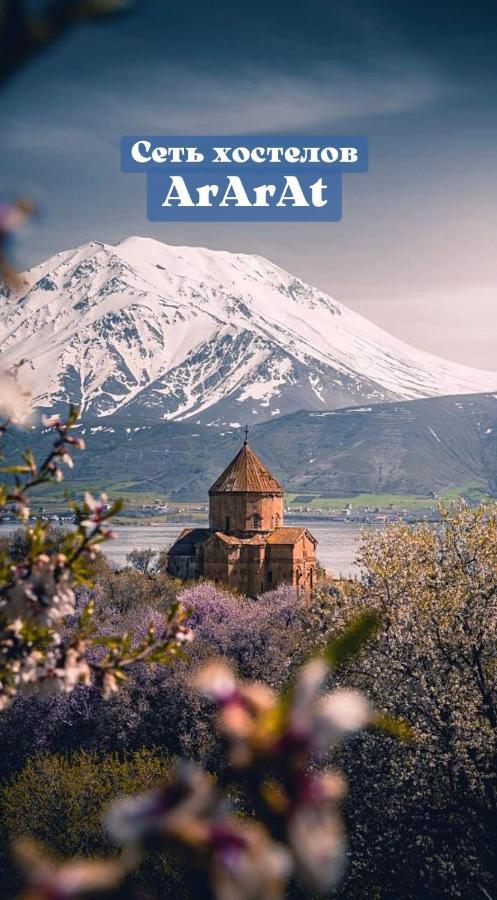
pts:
[246, 545]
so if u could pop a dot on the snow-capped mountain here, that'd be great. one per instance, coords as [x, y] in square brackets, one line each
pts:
[177, 333]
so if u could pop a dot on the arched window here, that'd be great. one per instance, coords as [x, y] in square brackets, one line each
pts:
[227, 524]
[256, 520]
[277, 520]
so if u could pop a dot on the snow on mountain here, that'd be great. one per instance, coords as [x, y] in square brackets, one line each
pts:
[177, 333]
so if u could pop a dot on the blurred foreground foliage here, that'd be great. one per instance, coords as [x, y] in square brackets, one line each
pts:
[71, 627]
[420, 812]
[28, 28]
[61, 800]
[261, 702]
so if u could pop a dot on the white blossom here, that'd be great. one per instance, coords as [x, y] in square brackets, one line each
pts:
[42, 591]
[15, 399]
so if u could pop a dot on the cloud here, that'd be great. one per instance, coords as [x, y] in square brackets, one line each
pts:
[269, 100]
[173, 98]
[40, 136]
[456, 322]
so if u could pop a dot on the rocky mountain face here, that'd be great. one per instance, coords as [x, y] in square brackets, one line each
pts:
[418, 447]
[150, 332]
[415, 447]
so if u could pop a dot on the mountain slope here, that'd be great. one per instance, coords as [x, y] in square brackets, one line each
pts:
[177, 333]
[413, 447]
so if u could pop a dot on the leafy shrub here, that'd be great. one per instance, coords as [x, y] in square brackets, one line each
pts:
[422, 814]
[60, 800]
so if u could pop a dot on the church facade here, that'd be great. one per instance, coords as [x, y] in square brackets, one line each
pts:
[246, 546]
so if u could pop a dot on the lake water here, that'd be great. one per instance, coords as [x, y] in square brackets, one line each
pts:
[337, 542]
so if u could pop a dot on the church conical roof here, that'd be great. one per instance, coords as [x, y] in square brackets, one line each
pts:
[246, 473]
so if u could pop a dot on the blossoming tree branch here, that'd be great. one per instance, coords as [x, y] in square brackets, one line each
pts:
[37, 593]
[291, 827]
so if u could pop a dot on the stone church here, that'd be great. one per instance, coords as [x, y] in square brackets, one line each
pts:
[247, 545]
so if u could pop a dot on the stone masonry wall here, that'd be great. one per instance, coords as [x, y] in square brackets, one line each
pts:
[235, 512]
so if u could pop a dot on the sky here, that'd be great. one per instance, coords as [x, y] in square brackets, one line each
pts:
[415, 249]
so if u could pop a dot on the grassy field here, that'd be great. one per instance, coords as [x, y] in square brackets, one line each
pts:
[149, 505]
[472, 492]
[52, 500]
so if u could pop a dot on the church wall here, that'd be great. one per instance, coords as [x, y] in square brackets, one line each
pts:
[279, 568]
[244, 547]
[219, 560]
[304, 561]
[185, 567]
[235, 512]
[239, 567]
[251, 574]
[291, 564]
[249, 568]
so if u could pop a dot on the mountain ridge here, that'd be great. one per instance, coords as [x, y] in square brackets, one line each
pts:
[145, 329]
[422, 447]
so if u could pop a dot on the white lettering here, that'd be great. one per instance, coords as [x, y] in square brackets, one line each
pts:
[292, 154]
[310, 155]
[329, 154]
[193, 155]
[137, 154]
[292, 192]
[178, 193]
[239, 194]
[205, 192]
[221, 154]
[275, 154]
[159, 154]
[317, 190]
[262, 192]
[241, 154]
[349, 154]
[258, 154]
[234, 193]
